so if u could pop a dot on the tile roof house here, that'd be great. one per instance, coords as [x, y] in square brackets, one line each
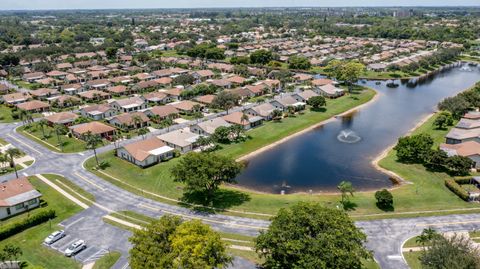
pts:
[469, 149]
[16, 98]
[206, 99]
[283, 102]
[322, 82]
[65, 118]
[94, 127]
[162, 112]
[128, 121]
[264, 110]
[118, 90]
[44, 93]
[146, 152]
[32, 77]
[329, 90]
[72, 89]
[186, 105]
[182, 140]
[94, 95]
[156, 97]
[97, 112]
[457, 135]
[129, 104]
[303, 96]
[17, 196]
[34, 106]
[208, 127]
[98, 84]
[65, 101]
[237, 118]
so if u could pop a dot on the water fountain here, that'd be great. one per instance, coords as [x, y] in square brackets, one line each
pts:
[348, 136]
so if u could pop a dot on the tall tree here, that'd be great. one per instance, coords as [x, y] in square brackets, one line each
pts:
[225, 100]
[93, 140]
[346, 188]
[151, 247]
[205, 172]
[308, 235]
[42, 123]
[454, 252]
[196, 245]
[12, 154]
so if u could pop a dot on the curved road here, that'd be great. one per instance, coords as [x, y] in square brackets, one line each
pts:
[385, 237]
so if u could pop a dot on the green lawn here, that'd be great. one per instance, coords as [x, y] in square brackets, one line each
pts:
[30, 241]
[412, 259]
[34, 132]
[107, 261]
[71, 188]
[6, 114]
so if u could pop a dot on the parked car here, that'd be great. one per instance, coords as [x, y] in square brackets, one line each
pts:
[54, 237]
[75, 248]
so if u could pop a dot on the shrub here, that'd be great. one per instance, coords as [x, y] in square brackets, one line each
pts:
[455, 187]
[384, 199]
[32, 221]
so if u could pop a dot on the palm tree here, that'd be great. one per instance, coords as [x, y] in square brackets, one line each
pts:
[137, 121]
[13, 153]
[142, 132]
[244, 118]
[92, 142]
[346, 188]
[59, 131]
[12, 252]
[155, 118]
[3, 160]
[42, 124]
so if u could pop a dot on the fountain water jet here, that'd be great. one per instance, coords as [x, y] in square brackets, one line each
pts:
[348, 136]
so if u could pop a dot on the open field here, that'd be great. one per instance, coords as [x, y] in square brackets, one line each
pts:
[30, 241]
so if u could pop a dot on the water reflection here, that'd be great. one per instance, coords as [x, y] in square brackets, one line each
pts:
[318, 160]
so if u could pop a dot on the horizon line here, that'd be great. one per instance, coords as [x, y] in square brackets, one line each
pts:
[242, 7]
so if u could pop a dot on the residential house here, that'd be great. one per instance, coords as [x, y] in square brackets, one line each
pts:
[16, 98]
[65, 101]
[303, 96]
[264, 110]
[65, 118]
[129, 104]
[238, 118]
[206, 99]
[94, 127]
[175, 94]
[32, 77]
[329, 90]
[146, 152]
[469, 149]
[129, 121]
[182, 140]
[118, 90]
[94, 95]
[162, 112]
[17, 196]
[97, 112]
[44, 93]
[208, 127]
[156, 98]
[98, 84]
[186, 106]
[283, 102]
[34, 106]
[202, 75]
[72, 89]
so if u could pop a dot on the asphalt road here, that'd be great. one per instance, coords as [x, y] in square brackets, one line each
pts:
[385, 237]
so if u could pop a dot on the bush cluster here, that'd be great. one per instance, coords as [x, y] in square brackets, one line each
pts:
[21, 226]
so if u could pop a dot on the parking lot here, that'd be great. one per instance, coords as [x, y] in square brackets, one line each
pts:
[100, 238]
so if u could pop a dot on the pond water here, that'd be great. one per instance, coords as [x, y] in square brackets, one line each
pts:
[344, 148]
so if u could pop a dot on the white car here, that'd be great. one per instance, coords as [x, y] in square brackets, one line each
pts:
[75, 248]
[54, 237]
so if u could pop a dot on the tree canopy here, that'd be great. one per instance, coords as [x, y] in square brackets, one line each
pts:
[308, 235]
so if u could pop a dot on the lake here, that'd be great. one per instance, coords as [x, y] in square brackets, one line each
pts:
[343, 149]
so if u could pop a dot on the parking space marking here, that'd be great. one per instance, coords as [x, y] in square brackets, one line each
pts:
[64, 247]
[97, 255]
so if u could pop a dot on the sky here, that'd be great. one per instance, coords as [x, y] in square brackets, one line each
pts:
[123, 4]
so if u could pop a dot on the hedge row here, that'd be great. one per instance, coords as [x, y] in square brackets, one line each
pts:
[454, 186]
[21, 226]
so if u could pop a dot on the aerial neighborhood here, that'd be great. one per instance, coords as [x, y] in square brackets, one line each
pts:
[220, 135]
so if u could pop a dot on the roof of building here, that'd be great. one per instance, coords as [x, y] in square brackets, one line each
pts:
[129, 118]
[180, 138]
[466, 123]
[94, 127]
[209, 126]
[62, 117]
[17, 191]
[460, 134]
[33, 105]
[185, 105]
[236, 118]
[206, 99]
[464, 149]
[142, 149]
[163, 111]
